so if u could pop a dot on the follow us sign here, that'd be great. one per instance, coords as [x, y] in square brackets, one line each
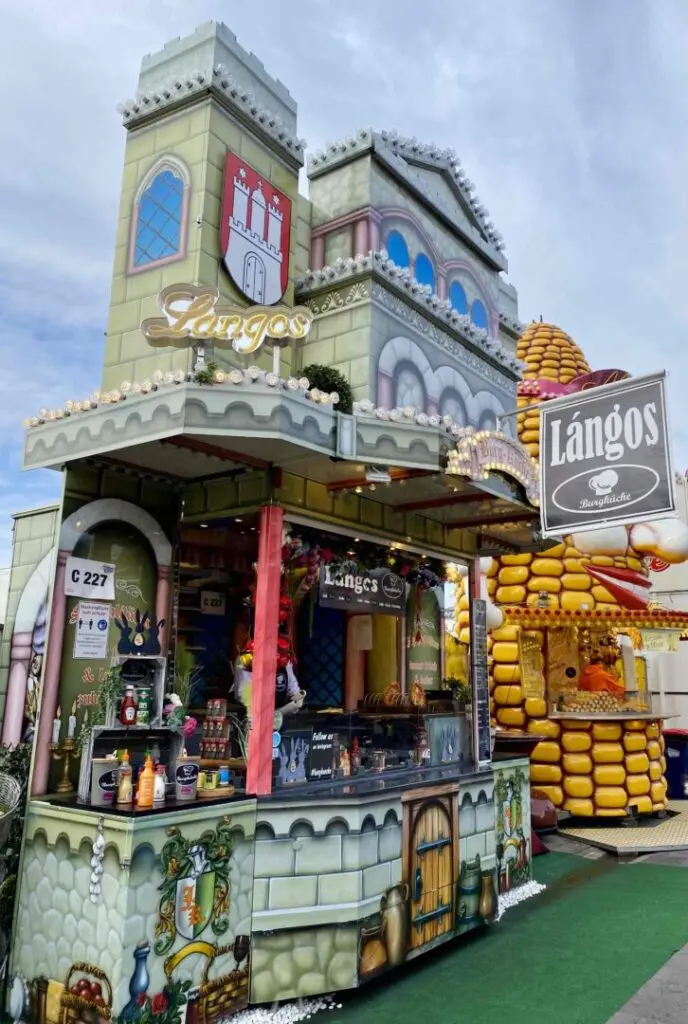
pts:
[605, 457]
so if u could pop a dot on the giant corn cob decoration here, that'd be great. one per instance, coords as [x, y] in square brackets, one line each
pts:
[589, 768]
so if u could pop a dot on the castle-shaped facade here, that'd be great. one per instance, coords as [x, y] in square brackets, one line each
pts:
[254, 254]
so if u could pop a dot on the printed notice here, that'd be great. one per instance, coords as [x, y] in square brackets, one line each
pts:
[322, 753]
[91, 632]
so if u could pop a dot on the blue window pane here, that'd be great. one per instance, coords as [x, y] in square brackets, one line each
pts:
[397, 250]
[457, 297]
[479, 314]
[424, 270]
[159, 225]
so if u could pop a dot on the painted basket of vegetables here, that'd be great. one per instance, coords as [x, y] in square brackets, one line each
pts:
[10, 795]
[87, 1000]
[217, 997]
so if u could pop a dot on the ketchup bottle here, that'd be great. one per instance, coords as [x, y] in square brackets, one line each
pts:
[127, 711]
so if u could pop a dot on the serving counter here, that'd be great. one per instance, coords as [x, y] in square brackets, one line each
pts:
[314, 889]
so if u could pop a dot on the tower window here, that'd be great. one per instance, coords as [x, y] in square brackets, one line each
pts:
[457, 297]
[397, 250]
[479, 314]
[424, 270]
[159, 217]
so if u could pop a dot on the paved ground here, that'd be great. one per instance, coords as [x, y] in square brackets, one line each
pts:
[663, 999]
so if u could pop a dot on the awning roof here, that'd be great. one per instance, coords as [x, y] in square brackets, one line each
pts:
[186, 431]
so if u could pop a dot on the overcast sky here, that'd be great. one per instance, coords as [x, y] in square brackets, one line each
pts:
[569, 115]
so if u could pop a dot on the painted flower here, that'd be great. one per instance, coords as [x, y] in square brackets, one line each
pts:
[141, 999]
[159, 1003]
[173, 866]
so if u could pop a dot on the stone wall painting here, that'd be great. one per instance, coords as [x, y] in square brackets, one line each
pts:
[169, 927]
[512, 805]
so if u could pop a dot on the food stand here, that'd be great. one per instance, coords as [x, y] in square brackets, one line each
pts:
[251, 779]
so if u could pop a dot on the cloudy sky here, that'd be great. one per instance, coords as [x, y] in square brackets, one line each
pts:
[569, 116]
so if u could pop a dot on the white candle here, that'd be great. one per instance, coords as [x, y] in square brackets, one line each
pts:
[56, 730]
[71, 724]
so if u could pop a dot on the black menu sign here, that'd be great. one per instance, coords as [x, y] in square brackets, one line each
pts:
[322, 754]
[481, 685]
[368, 590]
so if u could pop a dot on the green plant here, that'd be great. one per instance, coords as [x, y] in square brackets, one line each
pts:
[163, 1008]
[108, 693]
[461, 691]
[327, 379]
[14, 761]
[205, 376]
[241, 726]
[186, 672]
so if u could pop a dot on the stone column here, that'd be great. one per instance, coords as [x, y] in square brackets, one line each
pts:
[20, 658]
[51, 680]
[441, 284]
[374, 232]
[259, 770]
[317, 252]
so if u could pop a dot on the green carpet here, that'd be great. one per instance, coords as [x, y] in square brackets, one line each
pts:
[574, 954]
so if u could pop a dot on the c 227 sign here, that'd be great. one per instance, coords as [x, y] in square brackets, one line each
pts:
[605, 457]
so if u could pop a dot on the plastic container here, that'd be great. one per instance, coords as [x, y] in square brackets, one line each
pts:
[186, 777]
[676, 754]
[125, 788]
[104, 778]
[146, 783]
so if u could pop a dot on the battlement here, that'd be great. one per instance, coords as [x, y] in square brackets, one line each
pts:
[274, 211]
[241, 184]
[255, 239]
[213, 44]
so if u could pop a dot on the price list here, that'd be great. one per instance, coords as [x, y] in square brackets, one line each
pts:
[481, 686]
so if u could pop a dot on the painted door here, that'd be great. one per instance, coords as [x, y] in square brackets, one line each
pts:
[254, 277]
[432, 858]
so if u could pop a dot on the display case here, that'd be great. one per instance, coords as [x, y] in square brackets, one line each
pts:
[589, 705]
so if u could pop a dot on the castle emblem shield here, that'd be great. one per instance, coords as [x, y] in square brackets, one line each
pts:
[255, 230]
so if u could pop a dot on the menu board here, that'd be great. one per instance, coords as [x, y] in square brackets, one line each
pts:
[532, 664]
[481, 685]
[322, 754]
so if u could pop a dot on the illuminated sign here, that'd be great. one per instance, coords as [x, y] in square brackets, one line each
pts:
[194, 315]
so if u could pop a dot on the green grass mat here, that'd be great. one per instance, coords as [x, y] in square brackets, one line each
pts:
[573, 955]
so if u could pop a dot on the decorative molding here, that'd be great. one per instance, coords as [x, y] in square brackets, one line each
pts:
[403, 279]
[394, 146]
[334, 301]
[226, 88]
[511, 324]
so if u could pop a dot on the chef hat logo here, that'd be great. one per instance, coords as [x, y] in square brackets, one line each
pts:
[604, 482]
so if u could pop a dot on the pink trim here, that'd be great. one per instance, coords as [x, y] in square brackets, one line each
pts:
[317, 252]
[401, 214]
[441, 283]
[259, 770]
[51, 680]
[341, 222]
[385, 391]
[374, 232]
[361, 245]
[15, 701]
[162, 603]
[183, 237]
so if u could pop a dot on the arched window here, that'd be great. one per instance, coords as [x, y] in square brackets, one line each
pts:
[424, 271]
[457, 297]
[479, 314]
[159, 217]
[409, 388]
[397, 249]
[451, 404]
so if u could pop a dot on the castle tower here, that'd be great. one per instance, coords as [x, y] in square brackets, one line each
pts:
[258, 214]
[274, 226]
[198, 100]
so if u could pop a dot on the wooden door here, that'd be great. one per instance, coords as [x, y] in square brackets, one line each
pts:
[431, 862]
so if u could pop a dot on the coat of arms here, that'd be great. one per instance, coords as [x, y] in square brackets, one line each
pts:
[195, 886]
[255, 229]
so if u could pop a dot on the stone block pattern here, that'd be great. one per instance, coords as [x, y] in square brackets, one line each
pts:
[477, 823]
[327, 870]
[303, 962]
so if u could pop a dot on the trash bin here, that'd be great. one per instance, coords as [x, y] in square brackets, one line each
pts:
[676, 741]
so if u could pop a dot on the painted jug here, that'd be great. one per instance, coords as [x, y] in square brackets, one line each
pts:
[488, 898]
[469, 890]
[395, 923]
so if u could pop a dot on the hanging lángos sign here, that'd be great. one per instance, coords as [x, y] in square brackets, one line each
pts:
[605, 457]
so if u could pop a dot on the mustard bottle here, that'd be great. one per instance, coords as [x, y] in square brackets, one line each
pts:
[146, 785]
